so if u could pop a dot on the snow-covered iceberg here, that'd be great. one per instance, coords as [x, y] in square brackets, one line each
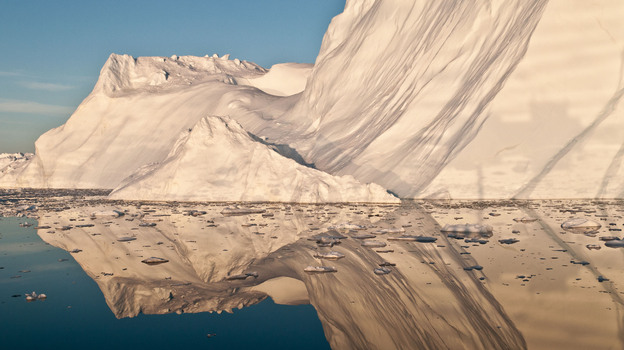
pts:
[217, 160]
[442, 99]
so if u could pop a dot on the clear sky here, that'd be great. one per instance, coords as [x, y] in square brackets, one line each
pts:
[51, 52]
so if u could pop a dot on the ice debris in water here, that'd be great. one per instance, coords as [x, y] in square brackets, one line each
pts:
[373, 244]
[421, 239]
[154, 261]
[236, 210]
[615, 243]
[107, 214]
[363, 236]
[34, 296]
[382, 271]
[242, 276]
[320, 269]
[329, 255]
[467, 228]
[580, 224]
[525, 219]
[346, 227]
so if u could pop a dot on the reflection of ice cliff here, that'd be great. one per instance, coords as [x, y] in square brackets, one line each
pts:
[422, 303]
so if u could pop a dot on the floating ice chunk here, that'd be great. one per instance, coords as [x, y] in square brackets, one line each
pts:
[580, 224]
[242, 276]
[390, 230]
[329, 256]
[616, 243]
[154, 261]
[107, 214]
[231, 211]
[346, 227]
[363, 236]
[382, 271]
[34, 296]
[320, 269]
[422, 239]
[467, 228]
[373, 244]
[525, 219]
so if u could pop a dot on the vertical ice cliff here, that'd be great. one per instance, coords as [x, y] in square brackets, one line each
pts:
[400, 87]
[481, 99]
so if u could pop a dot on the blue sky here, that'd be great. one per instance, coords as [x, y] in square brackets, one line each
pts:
[52, 51]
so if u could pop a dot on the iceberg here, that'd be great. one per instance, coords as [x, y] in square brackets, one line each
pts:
[465, 100]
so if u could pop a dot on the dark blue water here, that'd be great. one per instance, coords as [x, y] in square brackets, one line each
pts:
[75, 314]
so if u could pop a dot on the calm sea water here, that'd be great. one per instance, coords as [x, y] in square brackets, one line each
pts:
[458, 275]
[76, 316]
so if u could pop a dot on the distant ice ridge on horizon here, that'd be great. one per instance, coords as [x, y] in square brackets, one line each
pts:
[482, 99]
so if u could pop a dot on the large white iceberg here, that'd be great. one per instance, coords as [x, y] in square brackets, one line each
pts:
[445, 99]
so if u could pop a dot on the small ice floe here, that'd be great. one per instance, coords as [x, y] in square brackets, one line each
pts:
[474, 267]
[320, 269]
[383, 231]
[602, 279]
[580, 225]
[363, 236]
[195, 212]
[508, 241]
[327, 241]
[476, 240]
[346, 227]
[236, 210]
[467, 228]
[34, 296]
[608, 238]
[615, 243]
[525, 219]
[374, 244]
[333, 255]
[106, 214]
[409, 238]
[382, 271]
[126, 239]
[154, 261]
[593, 247]
[26, 207]
[242, 276]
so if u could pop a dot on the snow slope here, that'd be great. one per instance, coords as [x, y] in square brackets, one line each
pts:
[134, 116]
[217, 160]
[283, 79]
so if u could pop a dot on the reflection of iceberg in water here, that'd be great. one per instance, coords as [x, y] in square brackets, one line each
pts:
[425, 302]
